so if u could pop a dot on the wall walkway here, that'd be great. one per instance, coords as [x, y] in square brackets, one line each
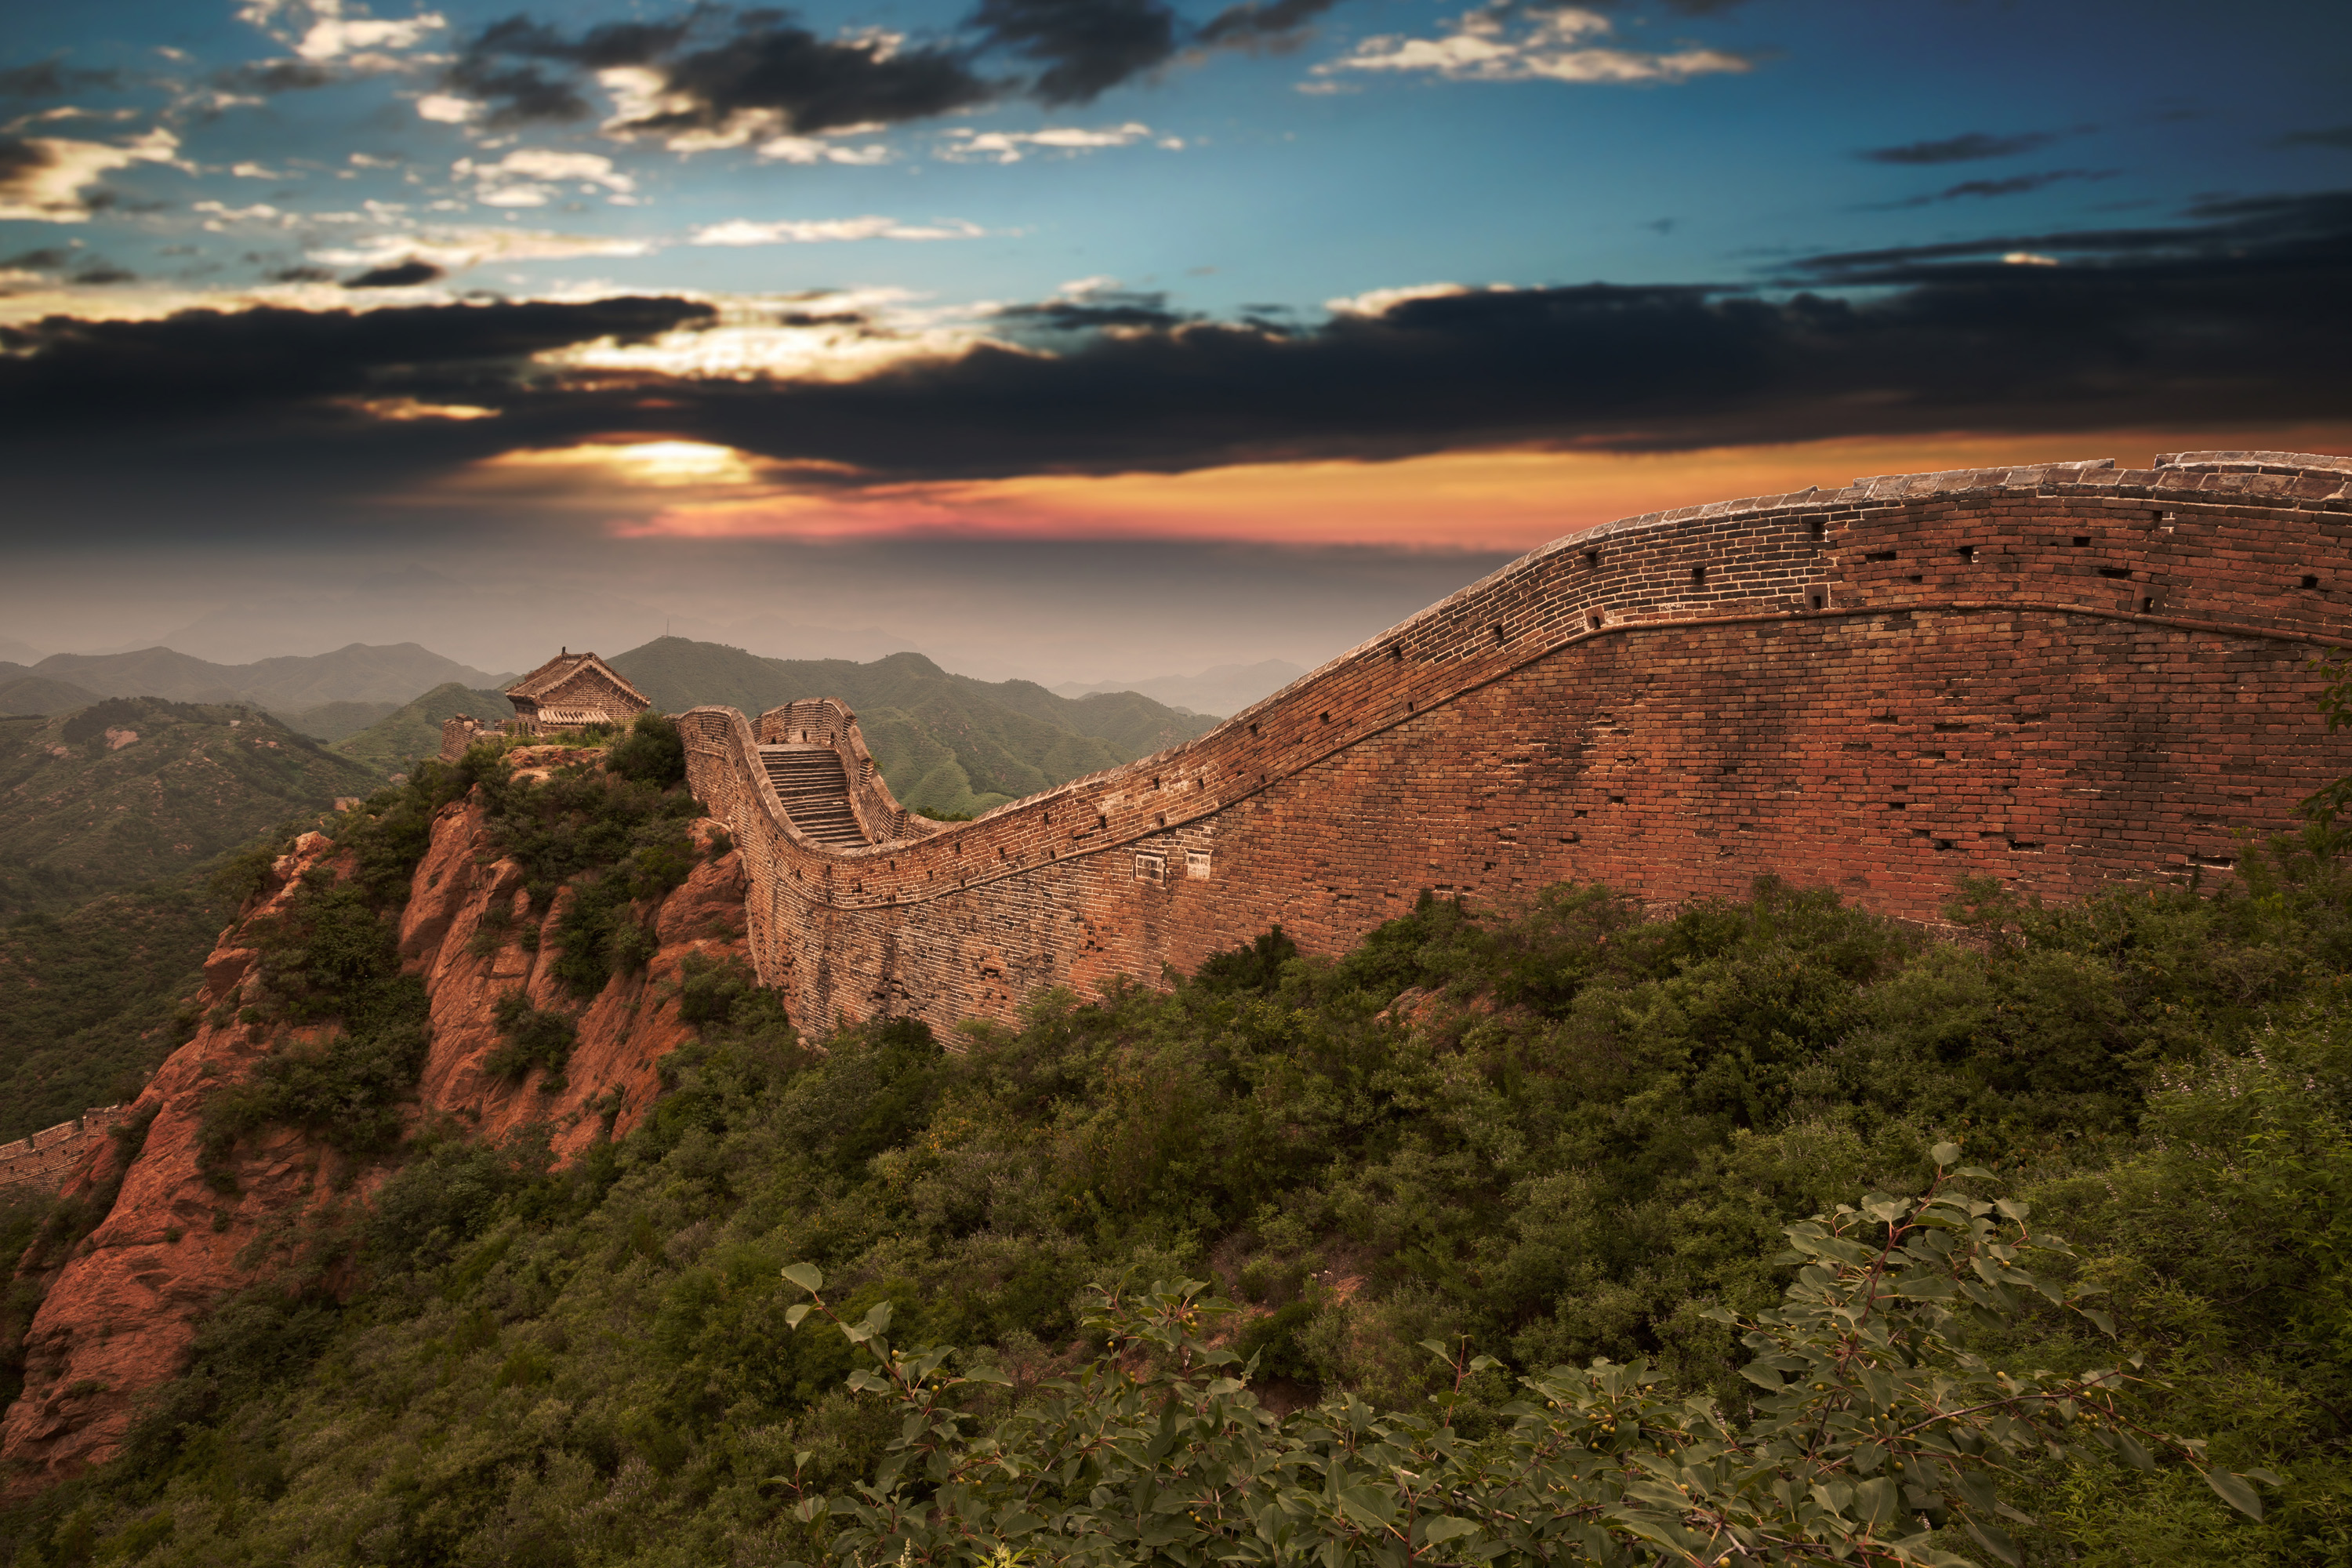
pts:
[2061, 676]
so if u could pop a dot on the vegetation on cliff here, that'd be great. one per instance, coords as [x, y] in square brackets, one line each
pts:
[945, 742]
[1571, 1134]
[398, 740]
[136, 790]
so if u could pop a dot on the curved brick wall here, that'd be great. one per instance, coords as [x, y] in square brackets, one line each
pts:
[2060, 676]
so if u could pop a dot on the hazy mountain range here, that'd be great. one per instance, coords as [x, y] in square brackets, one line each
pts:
[946, 742]
[327, 695]
[1222, 690]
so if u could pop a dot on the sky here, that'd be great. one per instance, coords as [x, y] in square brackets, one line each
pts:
[1091, 338]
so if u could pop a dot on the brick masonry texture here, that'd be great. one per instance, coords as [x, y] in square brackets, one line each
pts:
[44, 1158]
[2061, 676]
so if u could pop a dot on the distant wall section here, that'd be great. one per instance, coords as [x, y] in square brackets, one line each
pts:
[2059, 676]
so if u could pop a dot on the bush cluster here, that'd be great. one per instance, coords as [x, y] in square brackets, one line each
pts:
[1589, 1144]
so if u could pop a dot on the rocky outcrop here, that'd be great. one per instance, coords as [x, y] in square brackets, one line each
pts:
[120, 1313]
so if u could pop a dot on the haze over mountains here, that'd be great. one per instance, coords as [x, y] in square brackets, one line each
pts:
[346, 690]
[1222, 690]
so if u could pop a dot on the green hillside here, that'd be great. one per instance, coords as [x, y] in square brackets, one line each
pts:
[414, 729]
[1588, 1182]
[332, 721]
[136, 790]
[27, 693]
[89, 999]
[356, 673]
[946, 742]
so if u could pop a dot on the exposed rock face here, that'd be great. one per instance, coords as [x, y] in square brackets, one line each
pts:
[120, 1316]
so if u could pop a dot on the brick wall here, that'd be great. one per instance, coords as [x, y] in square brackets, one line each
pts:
[2059, 676]
[45, 1157]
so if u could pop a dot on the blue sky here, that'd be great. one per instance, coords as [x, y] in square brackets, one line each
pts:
[1305, 274]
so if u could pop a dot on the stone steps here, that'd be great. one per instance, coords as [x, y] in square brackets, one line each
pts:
[814, 788]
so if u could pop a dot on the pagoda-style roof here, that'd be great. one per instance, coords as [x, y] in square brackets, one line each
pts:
[562, 668]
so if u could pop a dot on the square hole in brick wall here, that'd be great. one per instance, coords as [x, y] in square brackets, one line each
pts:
[1151, 867]
[1196, 865]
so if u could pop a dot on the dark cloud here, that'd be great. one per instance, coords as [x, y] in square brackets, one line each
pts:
[1087, 46]
[49, 78]
[2234, 318]
[717, 63]
[1962, 149]
[47, 259]
[19, 160]
[301, 275]
[1284, 24]
[400, 275]
[1095, 312]
[276, 75]
[200, 368]
[2014, 186]
[96, 271]
[754, 61]
[2332, 136]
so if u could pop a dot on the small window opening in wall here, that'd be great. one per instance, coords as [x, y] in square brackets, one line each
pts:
[1593, 619]
[1969, 553]
[1616, 800]
[1919, 577]
[1880, 555]
[2147, 603]
[2310, 582]
[1499, 633]
[1698, 577]
[1150, 868]
[1820, 601]
[1396, 652]
[2115, 572]
[1326, 717]
[1592, 559]
[2081, 540]
[1252, 729]
[1819, 532]
[1196, 865]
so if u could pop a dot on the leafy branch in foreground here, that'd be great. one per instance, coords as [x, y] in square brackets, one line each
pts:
[1875, 1432]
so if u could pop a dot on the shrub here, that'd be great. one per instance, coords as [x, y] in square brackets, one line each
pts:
[533, 1038]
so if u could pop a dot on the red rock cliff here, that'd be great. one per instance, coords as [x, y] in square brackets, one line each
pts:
[121, 1314]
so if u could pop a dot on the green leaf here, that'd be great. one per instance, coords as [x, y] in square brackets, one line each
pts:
[2233, 1490]
[1446, 1527]
[1945, 1153]
[807, 1276]
[1995, 1540]
[793, 1315]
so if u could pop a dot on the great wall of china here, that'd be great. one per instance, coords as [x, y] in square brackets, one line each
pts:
[2061, 676]
[43, 1158]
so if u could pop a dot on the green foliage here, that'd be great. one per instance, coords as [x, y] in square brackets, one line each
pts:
[530, 1038]
[651, 753]
[1583, 1139]
[93, 813]
[91, 1001]
[1877, 1430]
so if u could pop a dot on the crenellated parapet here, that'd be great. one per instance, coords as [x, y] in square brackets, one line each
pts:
[2058, 676]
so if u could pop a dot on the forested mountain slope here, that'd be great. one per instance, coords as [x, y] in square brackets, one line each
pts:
[292, 684]
[414, 729]
[946, 742]
[136, 789]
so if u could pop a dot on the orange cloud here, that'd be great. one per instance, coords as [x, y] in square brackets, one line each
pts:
[1508, 500]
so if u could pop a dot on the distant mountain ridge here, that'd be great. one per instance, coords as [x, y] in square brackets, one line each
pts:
[946, 742]
[1221, 689]
[289, 685]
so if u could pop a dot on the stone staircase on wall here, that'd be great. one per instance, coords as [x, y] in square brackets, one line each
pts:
[814, 788]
